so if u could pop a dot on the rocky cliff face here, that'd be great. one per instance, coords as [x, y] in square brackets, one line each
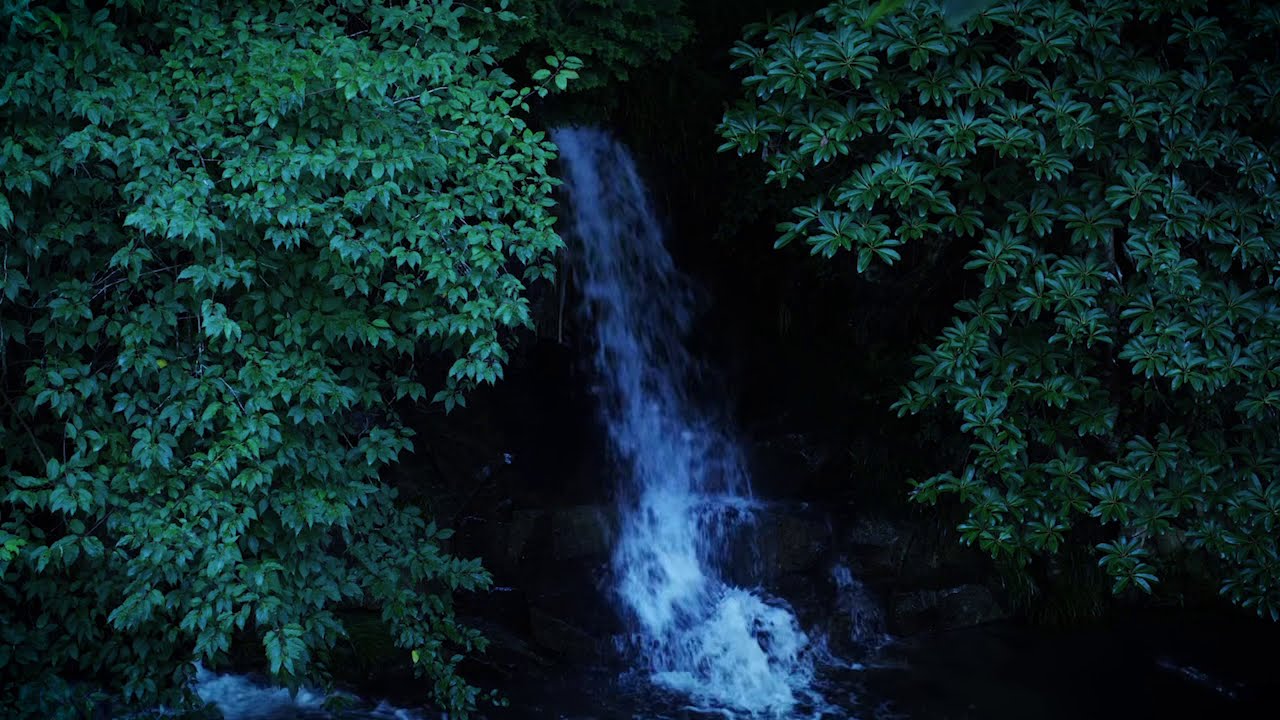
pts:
[545, 525]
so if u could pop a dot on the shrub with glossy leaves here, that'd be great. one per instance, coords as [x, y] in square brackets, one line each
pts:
[1111, 168]
[612, 37]
[227, 229]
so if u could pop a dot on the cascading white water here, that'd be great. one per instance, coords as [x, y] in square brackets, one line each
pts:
[239, 697]
[867, 627]
[685, 489]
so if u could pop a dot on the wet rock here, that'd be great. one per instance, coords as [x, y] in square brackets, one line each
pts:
[877, 545]
[508, 653]
[934, 562]
[947, 609]
[812, 452]
[874, 532]
[857, 623]
[791, 542]
[911, 555]
[578, 533]
[581, 532]
[520, 530]
[1196, 676]
[563, 638]
[788, 464]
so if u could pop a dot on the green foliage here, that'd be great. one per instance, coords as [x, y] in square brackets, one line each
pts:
[955, 11]
[1111, 168]
[613, 37]
[229, 229]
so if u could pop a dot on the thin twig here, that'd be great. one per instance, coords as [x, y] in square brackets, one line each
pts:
[34, 442]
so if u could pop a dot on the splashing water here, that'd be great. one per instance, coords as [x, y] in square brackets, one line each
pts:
[867, 627]
[239, 697]
[686, 491]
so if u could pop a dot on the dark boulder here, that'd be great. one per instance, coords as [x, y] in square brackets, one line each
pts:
[563, 638]
[946, 609]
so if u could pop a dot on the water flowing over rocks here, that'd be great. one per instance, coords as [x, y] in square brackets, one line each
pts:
[683, 490]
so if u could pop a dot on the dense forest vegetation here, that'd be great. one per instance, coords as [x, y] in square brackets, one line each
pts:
[244, 242]
[1114, 165]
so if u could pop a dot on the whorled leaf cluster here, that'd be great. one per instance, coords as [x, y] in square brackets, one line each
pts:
[226, 227]
[1110, 166]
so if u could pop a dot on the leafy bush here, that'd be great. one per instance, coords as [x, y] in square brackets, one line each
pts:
[1111, 167]
[229, 230]
[612, 37]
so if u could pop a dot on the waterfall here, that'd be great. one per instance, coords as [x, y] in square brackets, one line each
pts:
[683, 489]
